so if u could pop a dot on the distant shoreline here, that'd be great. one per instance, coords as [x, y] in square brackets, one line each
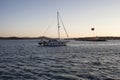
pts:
[43, 37]
[97, 38]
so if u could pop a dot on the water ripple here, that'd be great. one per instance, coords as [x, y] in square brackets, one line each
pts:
[25, 60]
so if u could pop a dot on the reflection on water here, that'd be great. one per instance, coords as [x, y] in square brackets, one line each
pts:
[25, 59]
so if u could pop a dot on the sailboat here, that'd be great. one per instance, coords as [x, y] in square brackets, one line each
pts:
[55, 42]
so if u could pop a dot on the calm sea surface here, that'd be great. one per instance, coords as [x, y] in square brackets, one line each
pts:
[79, 60]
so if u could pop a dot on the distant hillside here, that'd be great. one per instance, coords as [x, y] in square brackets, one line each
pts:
[43, 37]
[16, 38]
[100, 38]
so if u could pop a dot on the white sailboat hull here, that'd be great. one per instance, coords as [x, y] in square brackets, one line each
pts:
[52, 43]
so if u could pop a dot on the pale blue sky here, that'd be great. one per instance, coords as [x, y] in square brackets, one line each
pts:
[32, 17]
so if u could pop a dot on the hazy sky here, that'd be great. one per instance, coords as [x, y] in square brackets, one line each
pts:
[32, 17]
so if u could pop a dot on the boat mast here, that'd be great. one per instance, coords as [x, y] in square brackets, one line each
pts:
[64, 27]
[58, 24]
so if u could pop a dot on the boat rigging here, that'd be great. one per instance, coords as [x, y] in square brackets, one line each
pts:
[55, 42]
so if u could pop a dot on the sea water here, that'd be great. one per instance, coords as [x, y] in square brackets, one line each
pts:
[79, 60]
